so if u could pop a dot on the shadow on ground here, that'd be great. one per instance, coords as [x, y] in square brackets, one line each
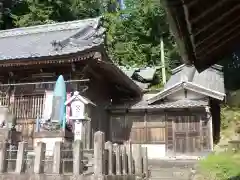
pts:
[235, 177]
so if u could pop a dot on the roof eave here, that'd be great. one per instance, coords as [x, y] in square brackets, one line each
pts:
[205, 91]
[175, 14]
[188, 86]
[165, 93]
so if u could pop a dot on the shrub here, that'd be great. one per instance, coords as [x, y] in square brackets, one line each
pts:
[222, 166]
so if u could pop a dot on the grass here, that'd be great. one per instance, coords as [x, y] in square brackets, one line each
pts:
[222, 166]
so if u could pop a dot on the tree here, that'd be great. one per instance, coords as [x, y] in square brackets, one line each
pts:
[38, 12]
[6, 7]
[133, 35]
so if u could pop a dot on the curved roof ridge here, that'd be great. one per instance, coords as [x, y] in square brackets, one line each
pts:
[49, 27]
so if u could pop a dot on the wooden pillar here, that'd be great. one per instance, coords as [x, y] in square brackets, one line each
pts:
[21, 155]
[3, 156]
[211, 133]
[39, 158]
[77, 157]
[88, 135]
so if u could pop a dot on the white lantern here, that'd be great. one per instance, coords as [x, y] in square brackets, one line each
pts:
[78, 106]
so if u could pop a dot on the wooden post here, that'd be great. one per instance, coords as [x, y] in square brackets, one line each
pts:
[129, 157]
[109, 148]
[88, 134]
[138, 160]
[57, 165]
[211, 133]
[99, 140]
[21, 155]
[145, 161]
[124, 159]
[39, 158]
[3, 156]
[83, 135]
[118, 159]
[77, 157]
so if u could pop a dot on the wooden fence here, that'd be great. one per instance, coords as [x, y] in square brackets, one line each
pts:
[106, 160]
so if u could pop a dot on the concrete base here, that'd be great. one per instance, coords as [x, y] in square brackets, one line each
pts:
[50, 138]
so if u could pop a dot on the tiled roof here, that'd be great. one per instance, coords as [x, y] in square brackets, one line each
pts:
[209, 82]
[141, 76]
[211, 78]
[50, 39]
[143, 104]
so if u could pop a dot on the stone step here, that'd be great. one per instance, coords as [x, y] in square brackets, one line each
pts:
[171, 173]
[166, 178]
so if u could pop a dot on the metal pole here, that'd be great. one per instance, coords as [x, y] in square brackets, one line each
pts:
[163, 62]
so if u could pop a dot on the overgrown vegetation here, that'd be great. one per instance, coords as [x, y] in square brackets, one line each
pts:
[132, 35]
[230, 119]
[222, 166]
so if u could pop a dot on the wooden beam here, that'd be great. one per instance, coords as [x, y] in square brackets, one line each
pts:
[216, 41]
[93, 73]
[207, 11]
[217, 20]
[48, 82]
[218, 46]
[221, 29]
[189, 27]
[190, 3]
[177, 32]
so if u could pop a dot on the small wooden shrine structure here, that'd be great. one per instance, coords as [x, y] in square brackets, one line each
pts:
[181, 120]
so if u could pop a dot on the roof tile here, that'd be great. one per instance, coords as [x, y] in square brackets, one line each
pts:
[37, 41]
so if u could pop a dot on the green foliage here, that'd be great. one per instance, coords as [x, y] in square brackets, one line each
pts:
[34, 12]
[230, 116]
[221, 166]
[133, 35]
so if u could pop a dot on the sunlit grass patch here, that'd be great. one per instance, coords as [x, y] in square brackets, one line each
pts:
[222, 166]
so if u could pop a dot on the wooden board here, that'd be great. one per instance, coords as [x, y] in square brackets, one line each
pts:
[187, 134]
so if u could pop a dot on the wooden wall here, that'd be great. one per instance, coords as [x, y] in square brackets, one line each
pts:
[181, 131]
[139, 127]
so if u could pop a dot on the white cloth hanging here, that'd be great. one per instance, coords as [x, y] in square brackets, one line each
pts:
[47, 111]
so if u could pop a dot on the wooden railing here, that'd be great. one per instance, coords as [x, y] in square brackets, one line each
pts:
[24, 107]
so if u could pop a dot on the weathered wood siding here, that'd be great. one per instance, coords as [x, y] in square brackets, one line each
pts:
[28, 107]
[183, 132]
[98, 92]
[138, 127]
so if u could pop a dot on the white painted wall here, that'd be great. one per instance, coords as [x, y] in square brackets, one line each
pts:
[181, 95]
[177, 95]
[194, 95]
[155, 151]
